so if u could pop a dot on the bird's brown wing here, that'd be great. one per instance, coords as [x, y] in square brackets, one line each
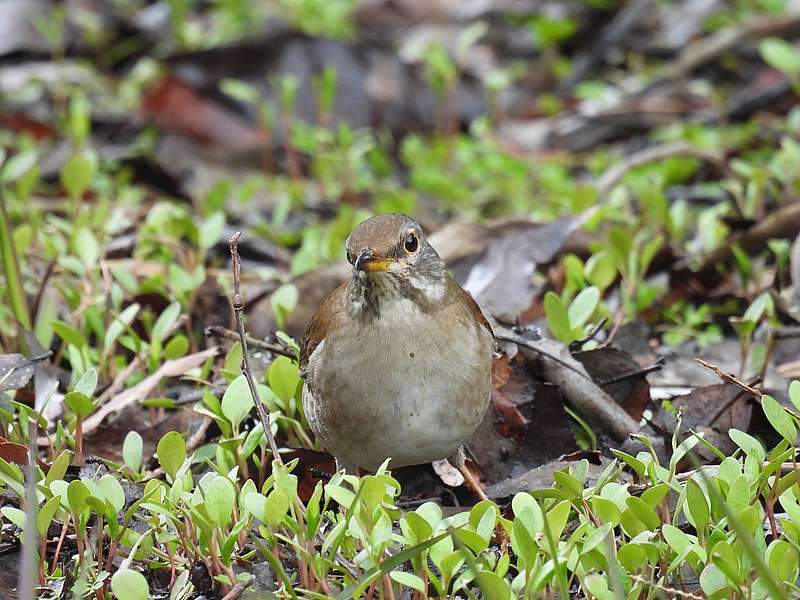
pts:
[472, 306]
[327, 313]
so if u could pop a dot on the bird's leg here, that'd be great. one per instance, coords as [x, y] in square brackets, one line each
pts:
[458, 460]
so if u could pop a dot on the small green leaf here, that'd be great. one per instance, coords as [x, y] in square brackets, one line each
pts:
[750, 445]
[276, 507]
[86, 247]
[177, 347]
[19, 164]
[239, 90]
[597, 586]
[58, 467]
[583, 306]
[46, 513]
[237, 401]
[87, 383]
[112, 491]
[69, 334]
[712, 580]
[739, 494]
[794, 394]
[165, 321]
[129, 585]
[780, 55]
[15, 515]
[600, 269]
[210, 231]
[171, 452]
[779, 418]
[283, 302]
[284, 379]
[76, 175]
[77, 493]
[408, 580]
[79, 403]
[220, 498]
[118, 325]
[132, 450]
[697, 503]
[528, 512]
[557, 317]
[643, 512]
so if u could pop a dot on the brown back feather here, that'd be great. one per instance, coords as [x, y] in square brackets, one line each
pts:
[473, 307]
[330, 309]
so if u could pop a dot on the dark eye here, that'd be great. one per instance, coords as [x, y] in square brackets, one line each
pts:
[411, 244]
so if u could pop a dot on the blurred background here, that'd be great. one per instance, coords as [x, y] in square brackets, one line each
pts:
[626, 170]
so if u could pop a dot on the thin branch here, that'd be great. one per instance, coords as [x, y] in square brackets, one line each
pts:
[656, 366]
[238, 309]
[520, 341]
[730, 378]
[237, 590]
[229, 334]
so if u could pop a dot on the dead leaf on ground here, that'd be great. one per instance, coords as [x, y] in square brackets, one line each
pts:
[175, 106]
[526, 425]
[14, 453]
[712, 410]
[15, 371]
[502, 279]
[106, 442]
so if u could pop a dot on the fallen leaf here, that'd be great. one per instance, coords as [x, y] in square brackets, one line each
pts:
[15, 371]
[712, 410]
[177, 107]
[15, 453]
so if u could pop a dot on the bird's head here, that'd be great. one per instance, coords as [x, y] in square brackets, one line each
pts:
[392, 260]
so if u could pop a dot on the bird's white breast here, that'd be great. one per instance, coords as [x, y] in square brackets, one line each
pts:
[407, 385]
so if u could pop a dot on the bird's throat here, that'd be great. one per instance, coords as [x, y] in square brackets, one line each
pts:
[371, 293]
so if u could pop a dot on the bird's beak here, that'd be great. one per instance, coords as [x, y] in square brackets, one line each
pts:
[368, 263]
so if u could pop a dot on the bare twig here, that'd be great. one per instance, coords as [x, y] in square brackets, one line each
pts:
[676, 593]
[238, 309]
[656, 366]
[228, 334]
[730, 378]
[578, 344]
[237, 590]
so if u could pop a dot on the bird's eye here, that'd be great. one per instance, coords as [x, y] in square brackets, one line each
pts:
[350, 257]
[411, 244]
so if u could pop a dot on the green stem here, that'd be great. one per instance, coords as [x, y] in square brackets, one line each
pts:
[16, 293]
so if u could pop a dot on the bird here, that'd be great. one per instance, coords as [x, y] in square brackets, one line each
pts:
[397, 360]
